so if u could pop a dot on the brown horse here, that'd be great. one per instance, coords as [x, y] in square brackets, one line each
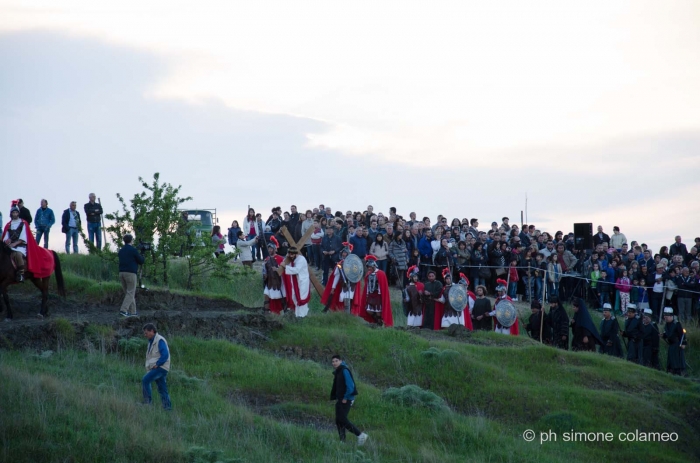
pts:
[7, 277]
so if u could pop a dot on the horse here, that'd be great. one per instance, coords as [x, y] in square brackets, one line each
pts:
[8, 275]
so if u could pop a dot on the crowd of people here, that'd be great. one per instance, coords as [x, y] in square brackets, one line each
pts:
[506, 260]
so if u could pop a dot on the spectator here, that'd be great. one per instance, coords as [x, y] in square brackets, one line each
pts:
[623, 286]
[129, 261]
[618, 239]
[93, 216]
[316, 240]
[677, 248]
[217, 239]
[44, 220]
[331, 246]
[305, 225]
[359, 243]
[246, 248]
[380, 250]
[686, 286]
[600, 237]
[399, 257]
[251, 230]
[233, 235]
[514, 278]
[70, 225]
[24, 213]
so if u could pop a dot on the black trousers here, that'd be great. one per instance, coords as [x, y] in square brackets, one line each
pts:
[342, 421]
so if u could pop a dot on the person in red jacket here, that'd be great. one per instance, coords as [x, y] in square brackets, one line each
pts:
[513, 280]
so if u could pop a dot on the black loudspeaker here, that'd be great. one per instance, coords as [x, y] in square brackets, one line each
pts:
[583, 236]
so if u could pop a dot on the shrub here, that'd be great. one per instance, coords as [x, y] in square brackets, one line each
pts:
[414, 396]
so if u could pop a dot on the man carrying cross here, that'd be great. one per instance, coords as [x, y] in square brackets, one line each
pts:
[297, 282]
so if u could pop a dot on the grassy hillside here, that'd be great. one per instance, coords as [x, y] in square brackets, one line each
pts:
[471, 401]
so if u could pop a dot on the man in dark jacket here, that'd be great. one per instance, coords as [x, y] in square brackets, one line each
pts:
[678, 248]
[560, 324]
[600, 237]
[70, 225]
[129, 261]
[536, 322]
[650, 341]
[344, 392]
[330, 248]
[610, 333]
[633, 333]
[93, 215]
[24, 213]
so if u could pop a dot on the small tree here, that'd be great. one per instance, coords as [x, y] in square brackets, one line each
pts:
[153, 217]
[201, 261]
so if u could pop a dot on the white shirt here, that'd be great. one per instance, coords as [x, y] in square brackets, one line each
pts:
[22, 236]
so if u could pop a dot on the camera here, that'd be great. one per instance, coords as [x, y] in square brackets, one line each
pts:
[143, 247]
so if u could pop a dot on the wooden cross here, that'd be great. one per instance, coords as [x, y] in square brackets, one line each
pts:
[314, 281]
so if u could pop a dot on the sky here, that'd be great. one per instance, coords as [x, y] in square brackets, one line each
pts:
[591, 110]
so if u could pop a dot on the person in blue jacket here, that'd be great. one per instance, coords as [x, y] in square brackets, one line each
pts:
[344, 392]
[43, 221]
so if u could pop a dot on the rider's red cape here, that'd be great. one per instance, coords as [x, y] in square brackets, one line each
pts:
[387, 316]
[39, 260]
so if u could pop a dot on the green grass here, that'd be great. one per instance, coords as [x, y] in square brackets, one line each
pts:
[421, 400]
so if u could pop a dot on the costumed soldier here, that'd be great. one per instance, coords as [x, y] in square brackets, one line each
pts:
[560, 324]
[650, 341]
[513, 330]
[450, 316]
[610, 333]
[275, 292]
[585, 334]
[539, 324]
[674, 334]
[375, 302]
[633, 333]
[296, 279]
[334, 299]
[431, 294]
[15, 236]
[413, 296]
[482, 308]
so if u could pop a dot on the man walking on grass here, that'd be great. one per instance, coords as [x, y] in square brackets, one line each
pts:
[344, 392]
[129, 261]
[157, 365]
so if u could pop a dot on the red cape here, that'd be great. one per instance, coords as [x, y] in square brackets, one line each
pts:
[387, 315]
[439, 311]
[291, 285]
[39, 260]
[514, 328]
[336, 305]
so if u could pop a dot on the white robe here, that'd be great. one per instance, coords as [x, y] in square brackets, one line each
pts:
[22, 236]
[301, 270]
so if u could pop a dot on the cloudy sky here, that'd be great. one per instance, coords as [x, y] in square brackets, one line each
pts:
[591, 109]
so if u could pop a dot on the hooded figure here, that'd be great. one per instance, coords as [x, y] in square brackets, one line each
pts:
[585, 333]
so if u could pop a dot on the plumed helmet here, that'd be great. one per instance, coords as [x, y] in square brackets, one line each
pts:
[371, 261]
[501, 284]
[273, 243]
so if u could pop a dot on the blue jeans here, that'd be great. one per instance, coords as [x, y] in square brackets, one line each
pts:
[158, 375]
[45, 233]
[538, 288]
[553, 288]
[382, 265]
[316, 250]
[479, 281]
[94, 232]
[72, 233]
[512, 289]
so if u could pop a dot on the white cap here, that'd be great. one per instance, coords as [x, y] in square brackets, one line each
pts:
[631, 306]
[668, 310]
[607, 306]
[647, 312]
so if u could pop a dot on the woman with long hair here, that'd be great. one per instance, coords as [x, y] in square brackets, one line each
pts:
[251, 229]
[233, 235]
[380, 250]
[399, 257]
[217, 239]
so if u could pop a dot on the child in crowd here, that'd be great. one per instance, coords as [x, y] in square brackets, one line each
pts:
[595, 276]
[554, 272]
[623, 286]
[603, 289]
[513, 283]
[634, 292]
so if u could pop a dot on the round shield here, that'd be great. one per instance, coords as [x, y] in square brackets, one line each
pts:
[353, 268]
[506, 313]
[457, 295]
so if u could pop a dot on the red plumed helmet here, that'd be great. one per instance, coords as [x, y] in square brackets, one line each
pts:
[501, 281]
[274, 241]
[370, 257]
[411, 270]
[446, 272]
